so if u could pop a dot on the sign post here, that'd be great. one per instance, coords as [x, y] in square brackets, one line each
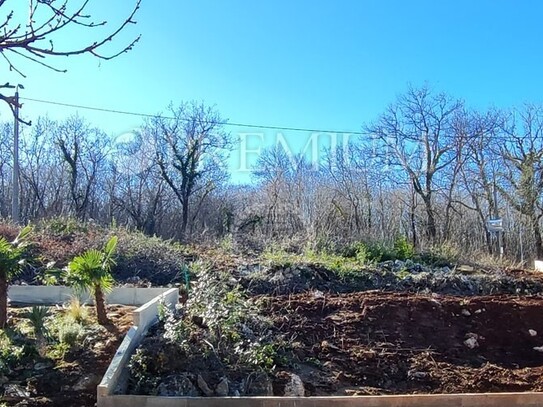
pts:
[496, 226]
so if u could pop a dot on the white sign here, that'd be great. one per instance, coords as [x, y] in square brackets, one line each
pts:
[494, 225]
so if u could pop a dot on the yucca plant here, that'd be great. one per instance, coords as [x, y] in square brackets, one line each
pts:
[37, 317]
[11, 261]
[91, 271]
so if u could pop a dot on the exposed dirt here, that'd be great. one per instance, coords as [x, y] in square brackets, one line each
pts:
[385, 343]
[72, 381]
[368, 343]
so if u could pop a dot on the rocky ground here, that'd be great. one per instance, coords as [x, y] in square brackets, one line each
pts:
[387, 328]
[378, 343]
[394, 276]
[397, 328]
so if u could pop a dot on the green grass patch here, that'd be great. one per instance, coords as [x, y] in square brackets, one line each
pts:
[337, 263]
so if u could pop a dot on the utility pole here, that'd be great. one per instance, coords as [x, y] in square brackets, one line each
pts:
[15, 208]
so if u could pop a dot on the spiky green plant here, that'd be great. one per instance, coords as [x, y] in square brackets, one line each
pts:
[37, 317]
[91, 271]
[11, 261]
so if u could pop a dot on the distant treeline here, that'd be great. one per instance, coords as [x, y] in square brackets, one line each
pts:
[428, 168]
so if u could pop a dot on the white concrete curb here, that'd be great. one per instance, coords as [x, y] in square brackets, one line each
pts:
[44, 294]
[144, 317]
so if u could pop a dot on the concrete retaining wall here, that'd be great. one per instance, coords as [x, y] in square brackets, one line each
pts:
[427, 400]
[144, 317]
[29, 294]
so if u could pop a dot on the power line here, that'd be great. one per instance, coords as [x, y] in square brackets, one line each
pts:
[147, 115]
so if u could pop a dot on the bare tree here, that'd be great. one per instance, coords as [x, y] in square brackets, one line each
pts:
[521, 179]
[191, 149]
[41, 171]
[417, 135]
[478, 173]
[6, 130]
[136, 184]
[84, 151]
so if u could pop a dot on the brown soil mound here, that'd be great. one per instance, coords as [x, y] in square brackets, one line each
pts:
[375, 343]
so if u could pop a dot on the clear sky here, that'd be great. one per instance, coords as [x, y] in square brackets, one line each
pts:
[329, 65]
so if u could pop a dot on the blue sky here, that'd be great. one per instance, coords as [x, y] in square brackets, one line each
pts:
[330, 65]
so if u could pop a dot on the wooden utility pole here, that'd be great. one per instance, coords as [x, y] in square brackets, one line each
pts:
[15, 207]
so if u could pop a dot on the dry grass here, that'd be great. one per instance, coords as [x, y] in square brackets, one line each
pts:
[77, 311]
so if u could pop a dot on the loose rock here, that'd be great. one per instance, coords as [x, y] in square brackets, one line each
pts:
[204, 387]
[42, 365]
[15, 392]
[177, 385]
[295, 388]
[87, 382]
[259, 385]
[471, 342]
[222, 388]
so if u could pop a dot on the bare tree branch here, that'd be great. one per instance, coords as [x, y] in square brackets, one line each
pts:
[33, 41]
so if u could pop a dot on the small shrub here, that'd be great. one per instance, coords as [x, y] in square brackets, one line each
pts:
[10, 354]
[440, 256]
[226, 312]
[63, 226]
[403, 249]
[227, 243]
[279, 257]
[57, 350]
[362, 254]
[375, 252]
[263, 356]
[149, 258]
[70, 332]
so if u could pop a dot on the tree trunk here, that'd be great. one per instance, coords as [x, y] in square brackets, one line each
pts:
[184, 218]
[413, 220]
[100, 305]
[537, 237]
[431, 220]
[3, 300]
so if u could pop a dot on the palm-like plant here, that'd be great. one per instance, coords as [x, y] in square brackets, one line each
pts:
[37, 317]
[11, 261]
[91, 271]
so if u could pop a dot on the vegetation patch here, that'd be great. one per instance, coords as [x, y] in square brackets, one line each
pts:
[219, 334]
[52, 356]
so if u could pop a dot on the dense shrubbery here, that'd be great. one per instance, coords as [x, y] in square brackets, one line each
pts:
[140, 259]
[149, 258]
